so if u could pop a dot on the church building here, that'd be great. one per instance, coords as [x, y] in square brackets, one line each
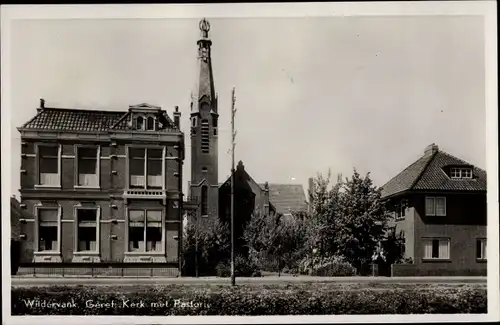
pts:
[214, 198]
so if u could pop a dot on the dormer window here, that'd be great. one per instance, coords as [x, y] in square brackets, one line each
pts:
[151, 124]
[458, 173]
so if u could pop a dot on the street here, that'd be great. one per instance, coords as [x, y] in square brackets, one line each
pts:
[39, 281]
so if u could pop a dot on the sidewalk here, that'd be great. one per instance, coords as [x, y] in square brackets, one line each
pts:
[133, 280]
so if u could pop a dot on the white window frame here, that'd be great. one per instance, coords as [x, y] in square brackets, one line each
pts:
[484, 244]
[434, 213]
[98, 162]
[401, 210]
[163, 167]
[144, 120]
[36, 231]
[163, 232]
[459, 172]
[440, 239]
[76, 222]
[37, 164]
[154, 123]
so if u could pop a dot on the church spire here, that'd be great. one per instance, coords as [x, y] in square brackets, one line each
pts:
[204, 96]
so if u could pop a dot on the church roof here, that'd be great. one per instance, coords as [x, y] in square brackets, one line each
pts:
[287, 197]
[428, 173]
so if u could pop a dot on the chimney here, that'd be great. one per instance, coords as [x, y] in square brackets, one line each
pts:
[177, 117]
[311, 186]
[42, 105]
[431, 149]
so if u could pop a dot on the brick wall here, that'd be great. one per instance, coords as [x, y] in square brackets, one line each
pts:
[113, 180]
[436, 270]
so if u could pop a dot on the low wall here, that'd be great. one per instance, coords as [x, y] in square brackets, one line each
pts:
[432, 269]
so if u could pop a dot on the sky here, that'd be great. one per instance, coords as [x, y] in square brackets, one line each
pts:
[312, 94]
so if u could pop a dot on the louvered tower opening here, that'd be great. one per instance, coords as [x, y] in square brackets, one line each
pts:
[205, 136]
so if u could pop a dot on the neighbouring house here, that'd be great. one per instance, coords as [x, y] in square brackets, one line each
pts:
[16, 214]
[103, 187]
[438, 205]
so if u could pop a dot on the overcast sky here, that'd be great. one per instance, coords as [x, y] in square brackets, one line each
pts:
[312, 93]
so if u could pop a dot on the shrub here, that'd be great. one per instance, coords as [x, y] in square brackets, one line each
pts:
[252, 300]
[242, 267]
[329, 266]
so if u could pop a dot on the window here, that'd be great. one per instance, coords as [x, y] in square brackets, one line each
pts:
[205, 136]
[88, 167]
[151, 124]
[140, 123]
[481, 249]
[214, 121]
[194, 122]
[49, 165]
[461, 173]
[437, 248]
[204, 200]
[137, 167]
[435, 206]
[204, 169]
[146, 168]
[87, 230]
[145, 230]
[154, 168]
[48, 228]
[400, 211]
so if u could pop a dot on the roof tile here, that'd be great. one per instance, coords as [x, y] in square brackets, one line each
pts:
[427, 173]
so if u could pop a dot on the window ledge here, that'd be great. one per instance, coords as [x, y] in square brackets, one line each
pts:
[436, 260]
[435, 215]
[87, 187]
[145, 254]
[47, 186]
[481, 260]
[205, 216]
[47, 253]
[86, 253]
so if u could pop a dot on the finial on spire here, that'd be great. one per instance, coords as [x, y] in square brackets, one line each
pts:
[204, 27]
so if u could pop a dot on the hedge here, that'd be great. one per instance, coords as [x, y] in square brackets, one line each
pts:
[289, 299]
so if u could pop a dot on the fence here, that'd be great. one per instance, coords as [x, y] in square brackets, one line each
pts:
[117, 270]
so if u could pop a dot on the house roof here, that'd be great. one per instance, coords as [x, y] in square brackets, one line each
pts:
[73, 120]
[427, 173]
[64, 119]
[287, 197]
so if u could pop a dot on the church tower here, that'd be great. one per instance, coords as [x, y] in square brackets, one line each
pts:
[204, 149]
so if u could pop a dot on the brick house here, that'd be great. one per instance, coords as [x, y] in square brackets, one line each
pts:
[102, 187]
[439, 206]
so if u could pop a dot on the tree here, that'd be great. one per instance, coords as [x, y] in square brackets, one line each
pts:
[361, 221]
[322, 223]
[205, 246]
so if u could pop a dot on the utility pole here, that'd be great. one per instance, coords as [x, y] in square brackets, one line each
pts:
[233, 137]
